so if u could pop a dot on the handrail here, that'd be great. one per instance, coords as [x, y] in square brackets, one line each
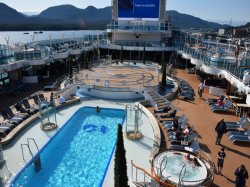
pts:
[28, 145]
[33, 141]
[165, 184]
[28, 149]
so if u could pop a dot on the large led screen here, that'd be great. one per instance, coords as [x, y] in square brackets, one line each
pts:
[138, 9]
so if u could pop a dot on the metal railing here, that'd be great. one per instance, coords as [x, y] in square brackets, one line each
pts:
[236, 68]
[140, 176]
[28, 146]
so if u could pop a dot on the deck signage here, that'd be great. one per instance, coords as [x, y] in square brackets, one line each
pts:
[138, 9]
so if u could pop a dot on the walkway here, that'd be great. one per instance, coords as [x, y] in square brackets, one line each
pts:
[204, 121]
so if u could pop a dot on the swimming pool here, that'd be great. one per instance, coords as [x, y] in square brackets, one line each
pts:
[78, 154]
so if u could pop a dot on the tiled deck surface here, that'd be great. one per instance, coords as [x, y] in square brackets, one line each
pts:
[204, 121]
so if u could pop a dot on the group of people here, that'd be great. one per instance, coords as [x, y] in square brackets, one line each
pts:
[180, 133]
[241, 172]
[60, 98]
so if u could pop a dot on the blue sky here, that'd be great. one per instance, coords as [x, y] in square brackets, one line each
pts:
[213, 10]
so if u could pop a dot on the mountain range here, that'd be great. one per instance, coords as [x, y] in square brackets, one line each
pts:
[70, 17]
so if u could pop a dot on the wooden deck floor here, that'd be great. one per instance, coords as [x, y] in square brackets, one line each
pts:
[204, 121]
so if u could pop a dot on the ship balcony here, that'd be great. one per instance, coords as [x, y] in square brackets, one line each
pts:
[141, 28]
[213, 65]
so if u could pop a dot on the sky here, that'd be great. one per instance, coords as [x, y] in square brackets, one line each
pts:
[221, 11]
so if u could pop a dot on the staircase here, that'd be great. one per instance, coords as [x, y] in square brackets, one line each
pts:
[159, 100]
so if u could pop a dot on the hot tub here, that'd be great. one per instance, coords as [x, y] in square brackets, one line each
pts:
[172, 163]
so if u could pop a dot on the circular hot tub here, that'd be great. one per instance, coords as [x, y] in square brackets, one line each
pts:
[173, 167]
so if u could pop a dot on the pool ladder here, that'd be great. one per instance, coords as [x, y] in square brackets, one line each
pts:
[28, 146]
[37, 161]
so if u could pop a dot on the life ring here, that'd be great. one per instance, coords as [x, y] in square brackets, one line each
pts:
[48, 126]
[106, 83]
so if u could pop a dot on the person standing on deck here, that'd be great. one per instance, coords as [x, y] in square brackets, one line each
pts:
[220, 128]
[51, 100]
[221, 156]
[241, 176]
[201, 89]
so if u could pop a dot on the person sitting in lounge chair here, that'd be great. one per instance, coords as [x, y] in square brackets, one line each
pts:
[61, 99]
[219, 102]
[187, 130]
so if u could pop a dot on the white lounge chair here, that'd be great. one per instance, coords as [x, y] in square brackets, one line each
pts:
[230, 123]
[234, 133]
[245, 139]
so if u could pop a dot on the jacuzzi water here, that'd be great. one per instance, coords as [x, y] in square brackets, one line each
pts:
[173, 164]
[78, 154]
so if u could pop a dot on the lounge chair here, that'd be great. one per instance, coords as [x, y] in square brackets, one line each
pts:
[170, 122]
[230, 123]
[194, 147]
[216, 106]
[19, 107]
[6, 128]
[188, 140]
[243, 125]
[42, 98]
[234, 133]
[212, 101]
[38, 102]
[8, 125]
[23, 116]
[182, 124]
[224, 108]
[245, 138]
[11, 119]
[31, 109]
[4, 131]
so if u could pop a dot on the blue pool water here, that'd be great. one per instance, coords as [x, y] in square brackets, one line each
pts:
[79, 154]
